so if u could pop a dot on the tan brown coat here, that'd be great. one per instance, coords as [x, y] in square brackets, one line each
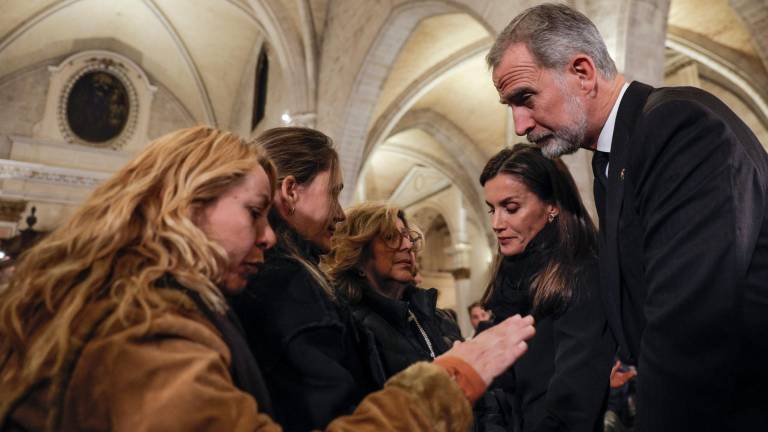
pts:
[176, 376]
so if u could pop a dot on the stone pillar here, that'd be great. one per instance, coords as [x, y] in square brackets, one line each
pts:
[463, 288]
[460, 257]
[634, 32]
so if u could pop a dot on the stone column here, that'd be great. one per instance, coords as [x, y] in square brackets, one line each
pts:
[463, 286]
[634, 31]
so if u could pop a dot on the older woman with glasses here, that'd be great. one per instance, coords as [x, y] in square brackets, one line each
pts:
[373, 263]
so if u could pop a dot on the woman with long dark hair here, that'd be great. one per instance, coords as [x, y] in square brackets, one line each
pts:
[547, 266]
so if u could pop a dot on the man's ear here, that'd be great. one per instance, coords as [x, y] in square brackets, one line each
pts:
[583, 69]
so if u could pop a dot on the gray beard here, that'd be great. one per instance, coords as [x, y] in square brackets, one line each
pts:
[562, 142]
[566, 140]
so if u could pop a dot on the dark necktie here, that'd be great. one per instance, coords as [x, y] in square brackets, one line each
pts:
[599, 165]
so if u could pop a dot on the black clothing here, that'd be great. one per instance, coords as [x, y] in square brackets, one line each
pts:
[561, 383]
[684, 259]
[317, 363]
[398, 338]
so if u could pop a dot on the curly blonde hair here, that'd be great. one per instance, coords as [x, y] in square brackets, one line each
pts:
[350, 245]
[134, 230]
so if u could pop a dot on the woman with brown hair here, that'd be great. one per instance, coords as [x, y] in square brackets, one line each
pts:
[547, 266]
[373, 262]
[117, 320]
[318, 363]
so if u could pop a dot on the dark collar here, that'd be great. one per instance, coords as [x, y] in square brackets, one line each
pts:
[421, 301]
[511, 292]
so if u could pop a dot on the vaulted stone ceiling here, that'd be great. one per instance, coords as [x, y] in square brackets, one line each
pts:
[439, 71]
[197, 52]
[713, 19]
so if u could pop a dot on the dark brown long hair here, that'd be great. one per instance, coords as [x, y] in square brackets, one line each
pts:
[551, 182]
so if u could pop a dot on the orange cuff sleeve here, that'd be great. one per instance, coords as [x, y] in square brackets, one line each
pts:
[465, 376]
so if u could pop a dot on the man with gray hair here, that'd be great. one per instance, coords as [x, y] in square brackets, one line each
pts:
[681, 187]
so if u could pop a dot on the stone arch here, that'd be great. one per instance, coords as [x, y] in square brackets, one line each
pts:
[384, 125]
[741, 82]
[754, 14]
[460, 149]
[366, 90]
[289, 51]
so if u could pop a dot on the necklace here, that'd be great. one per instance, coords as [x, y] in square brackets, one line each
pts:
[412, 317]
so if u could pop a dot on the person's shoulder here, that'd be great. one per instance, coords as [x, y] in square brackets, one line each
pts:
[423, 294]
[286, 280]
[283, 300]
[173, 330]
[681, 101]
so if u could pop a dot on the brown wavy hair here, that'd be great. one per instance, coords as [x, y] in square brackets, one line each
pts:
[351, 244]
[134, 230]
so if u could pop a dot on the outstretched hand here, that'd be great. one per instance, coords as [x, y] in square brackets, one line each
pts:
[494, 350]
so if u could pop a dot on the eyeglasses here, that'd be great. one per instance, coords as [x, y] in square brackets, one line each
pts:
[396, 241]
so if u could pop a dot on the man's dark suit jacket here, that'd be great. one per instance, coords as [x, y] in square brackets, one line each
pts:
[684, 259]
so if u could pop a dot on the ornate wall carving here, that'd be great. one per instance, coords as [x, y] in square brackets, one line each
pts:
[125, 91]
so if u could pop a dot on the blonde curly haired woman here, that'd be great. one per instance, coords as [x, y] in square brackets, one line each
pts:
[118, 319]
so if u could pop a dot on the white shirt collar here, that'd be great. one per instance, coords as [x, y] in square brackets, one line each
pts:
[606, 134]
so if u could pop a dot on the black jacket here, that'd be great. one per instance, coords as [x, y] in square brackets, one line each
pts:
[562, 381]
[398, 339]
[317, 363]
[684, 259]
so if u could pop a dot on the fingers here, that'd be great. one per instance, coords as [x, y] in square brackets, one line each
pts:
[518, 350]
[615, 368]
[494, 350]
[619, 378]
[521, 327]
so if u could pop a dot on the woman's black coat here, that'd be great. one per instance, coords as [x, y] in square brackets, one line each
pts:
[398, 339]
[317, 362]
[562, 381]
